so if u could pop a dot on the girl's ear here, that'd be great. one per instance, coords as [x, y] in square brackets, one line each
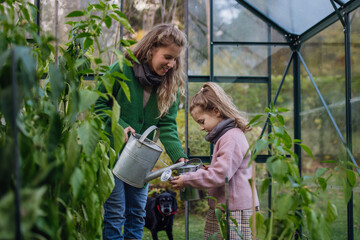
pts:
[217, 112]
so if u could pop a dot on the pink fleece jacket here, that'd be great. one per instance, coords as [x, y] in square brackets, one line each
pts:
[228, 160]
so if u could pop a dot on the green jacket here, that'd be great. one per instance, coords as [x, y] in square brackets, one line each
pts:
[133, 114]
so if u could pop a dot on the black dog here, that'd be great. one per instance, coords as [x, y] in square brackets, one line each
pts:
[160, 212]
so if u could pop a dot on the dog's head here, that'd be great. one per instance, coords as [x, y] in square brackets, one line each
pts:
[166, 203]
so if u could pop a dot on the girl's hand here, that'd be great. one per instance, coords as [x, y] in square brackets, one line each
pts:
[178, 182]
[127, 130]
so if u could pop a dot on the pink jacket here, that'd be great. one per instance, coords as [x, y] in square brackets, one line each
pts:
[228, 160]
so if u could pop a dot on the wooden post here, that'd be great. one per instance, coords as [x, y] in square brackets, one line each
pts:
[253, 185]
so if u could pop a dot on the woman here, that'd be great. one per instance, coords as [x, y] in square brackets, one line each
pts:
[154, 91]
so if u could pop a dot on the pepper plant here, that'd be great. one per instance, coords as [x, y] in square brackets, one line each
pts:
[63, 150]
[295, 204]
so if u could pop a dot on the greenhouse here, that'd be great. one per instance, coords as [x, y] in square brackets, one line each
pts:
[291, 66]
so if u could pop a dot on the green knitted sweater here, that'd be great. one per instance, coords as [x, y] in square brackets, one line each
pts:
[133, 114]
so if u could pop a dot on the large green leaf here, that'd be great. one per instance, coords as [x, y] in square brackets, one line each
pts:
[89, 136]
[76, 181]
[254, 119]
[332, 213]
[125, 89]
[260, 226]
[351, 177]
[260, 145]
[107, 21]
[284, 205]
[54, 133]
[75, 14]
[105, 180]
[322, 183]
[120, 18]
[325, 228]
[119, 137]
[264, 187]
[306, 149]
[56, 82]
[87, 98]
[73, 151]
[115, 116]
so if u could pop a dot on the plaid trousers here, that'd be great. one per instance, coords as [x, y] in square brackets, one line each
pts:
[242, 217]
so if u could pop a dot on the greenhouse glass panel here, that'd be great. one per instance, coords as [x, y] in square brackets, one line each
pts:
[48, 24]
[324, 55]
[276, 36]
[280, 57]
[240, 60]
[293, 15]
[232, 22]
[198, 39]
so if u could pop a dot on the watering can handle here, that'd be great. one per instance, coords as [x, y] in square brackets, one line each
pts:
[148, 131]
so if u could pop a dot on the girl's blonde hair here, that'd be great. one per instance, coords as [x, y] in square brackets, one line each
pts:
[212, 96]
[164, 35]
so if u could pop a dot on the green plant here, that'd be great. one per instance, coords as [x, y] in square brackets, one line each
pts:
[64, 151]
[294, 203]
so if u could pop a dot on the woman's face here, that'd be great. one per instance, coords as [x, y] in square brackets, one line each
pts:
[164, 58]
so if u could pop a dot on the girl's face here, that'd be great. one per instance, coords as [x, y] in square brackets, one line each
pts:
[164, 58]
[207, 120]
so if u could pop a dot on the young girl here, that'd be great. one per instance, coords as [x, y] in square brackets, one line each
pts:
[214, 111]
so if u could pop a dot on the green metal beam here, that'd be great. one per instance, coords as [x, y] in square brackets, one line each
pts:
[229, 79]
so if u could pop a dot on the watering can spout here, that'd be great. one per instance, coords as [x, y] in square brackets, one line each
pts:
[157, 173]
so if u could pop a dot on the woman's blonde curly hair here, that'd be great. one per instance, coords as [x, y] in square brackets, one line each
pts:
[164, 35]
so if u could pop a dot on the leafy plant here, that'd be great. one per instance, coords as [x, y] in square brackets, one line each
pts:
[63, 149]
[294, 203]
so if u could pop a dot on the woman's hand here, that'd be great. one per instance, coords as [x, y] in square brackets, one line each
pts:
[178, 182]
[182, 160]
[127, 130]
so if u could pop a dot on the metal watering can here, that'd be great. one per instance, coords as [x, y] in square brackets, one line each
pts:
[190, 193]
[139, 157]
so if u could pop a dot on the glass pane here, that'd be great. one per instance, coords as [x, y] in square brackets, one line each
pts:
[196, 139]
[293, 15]
[249, 98]
[240, 60]
[198, 38]
[280, 57]
[48, 14]
[276, 36]
[324, 56]
[232, 22]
